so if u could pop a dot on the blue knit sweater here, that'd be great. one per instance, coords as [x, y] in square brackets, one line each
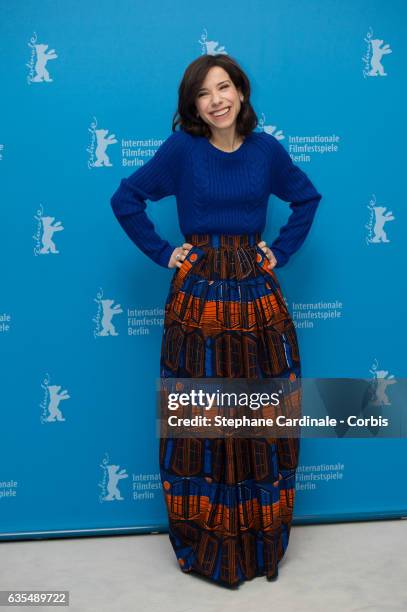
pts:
[217, 192]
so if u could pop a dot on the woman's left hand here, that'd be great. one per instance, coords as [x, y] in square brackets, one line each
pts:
[268, 253]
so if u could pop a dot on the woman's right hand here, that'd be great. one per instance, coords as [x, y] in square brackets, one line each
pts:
[269, 254]
[181, 252]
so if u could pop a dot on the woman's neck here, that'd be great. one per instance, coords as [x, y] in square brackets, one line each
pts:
[226, 142]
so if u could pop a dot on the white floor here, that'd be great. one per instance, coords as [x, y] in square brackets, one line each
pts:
[337, 567]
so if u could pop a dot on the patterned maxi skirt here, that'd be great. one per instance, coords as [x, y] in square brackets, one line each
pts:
[229, 501]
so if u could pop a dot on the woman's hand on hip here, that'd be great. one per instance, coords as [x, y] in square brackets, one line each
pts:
[268, 253]
[179, 254]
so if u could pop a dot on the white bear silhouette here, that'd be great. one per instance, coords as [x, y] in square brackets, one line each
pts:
[55, 398]
[378, 52]
[380, 219]
[42, 73]
[114, 477]
[108, 313]
[47, 233]
[381, 383]
[211, 46]
[102, 144]
[271, 129]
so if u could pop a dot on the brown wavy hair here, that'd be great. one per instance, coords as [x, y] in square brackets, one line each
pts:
[194, 75]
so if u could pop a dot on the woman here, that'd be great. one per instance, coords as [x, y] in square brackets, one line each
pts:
[229, 501]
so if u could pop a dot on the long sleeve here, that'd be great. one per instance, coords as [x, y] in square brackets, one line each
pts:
[154, 181]
[291, 184]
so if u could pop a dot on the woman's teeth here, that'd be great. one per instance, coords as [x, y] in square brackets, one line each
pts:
[221, 113]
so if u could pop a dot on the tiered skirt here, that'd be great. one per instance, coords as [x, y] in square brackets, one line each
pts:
[230, 501]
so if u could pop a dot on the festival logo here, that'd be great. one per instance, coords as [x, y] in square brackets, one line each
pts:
[97, 149]
[210, 47]
[104, 316]
[372, 60]
[50, 404]
[381, 380]
[44, 235]
[111, 477]
[378, 217]
[270, 129]
[37, 64]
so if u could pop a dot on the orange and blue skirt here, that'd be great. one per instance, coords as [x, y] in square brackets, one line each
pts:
[229, 501]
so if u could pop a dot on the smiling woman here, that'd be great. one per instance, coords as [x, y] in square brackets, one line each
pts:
[218, 94]
[220, 106]
[218, 103]
[230, 500]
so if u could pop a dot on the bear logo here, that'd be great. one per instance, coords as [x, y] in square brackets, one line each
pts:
[380, 220]
[55, 413]
[42, 74]
[377, 53]
[114, 476]
[48, 245]
[210, 47]
[108, 313]
[103, 141]
[382, 379]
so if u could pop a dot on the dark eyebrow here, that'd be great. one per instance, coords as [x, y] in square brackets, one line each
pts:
[220, 83]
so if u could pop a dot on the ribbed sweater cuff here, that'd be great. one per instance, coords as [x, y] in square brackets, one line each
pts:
[165, 256]
[281, 257]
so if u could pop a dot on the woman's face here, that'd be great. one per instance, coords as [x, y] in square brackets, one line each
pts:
[218, 93]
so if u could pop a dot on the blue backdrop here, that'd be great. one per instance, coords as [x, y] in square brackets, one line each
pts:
[88, 94]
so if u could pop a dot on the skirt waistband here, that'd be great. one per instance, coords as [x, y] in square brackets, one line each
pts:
[223, 240]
